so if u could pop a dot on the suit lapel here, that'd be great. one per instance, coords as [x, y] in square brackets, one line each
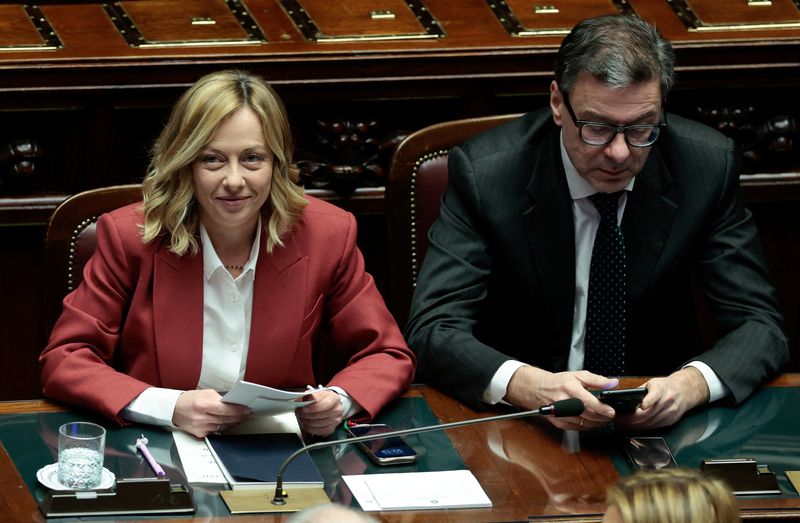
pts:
[551, 240]
[649, 215]
[278, 307]
[178, 318]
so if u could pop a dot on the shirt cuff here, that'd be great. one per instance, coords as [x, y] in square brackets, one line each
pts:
[497, 388]
[349, 405]
[154, 406]
[716, 389]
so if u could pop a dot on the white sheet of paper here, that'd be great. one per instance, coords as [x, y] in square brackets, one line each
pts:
[418, 490]
[265, 400]
[198, 462]
[267, 424]
[199, 465]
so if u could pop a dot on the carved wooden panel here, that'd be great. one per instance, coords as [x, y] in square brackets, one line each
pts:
[24, 27]
[550, 17]
[362, 20]
[18, 165]
[712, 15]
[163, 23]
[344, 155]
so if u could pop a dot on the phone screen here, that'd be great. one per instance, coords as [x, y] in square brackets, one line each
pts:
[383, 450]
[649, 453]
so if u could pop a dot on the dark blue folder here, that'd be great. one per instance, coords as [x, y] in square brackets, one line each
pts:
[254, 459]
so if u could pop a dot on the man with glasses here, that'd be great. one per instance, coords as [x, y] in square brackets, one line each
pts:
[567, 242]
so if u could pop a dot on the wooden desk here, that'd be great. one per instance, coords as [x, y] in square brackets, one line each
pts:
[521, 464]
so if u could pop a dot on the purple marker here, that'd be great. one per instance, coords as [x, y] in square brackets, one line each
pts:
[141, 444]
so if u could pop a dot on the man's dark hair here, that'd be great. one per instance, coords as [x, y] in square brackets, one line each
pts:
[618, 50]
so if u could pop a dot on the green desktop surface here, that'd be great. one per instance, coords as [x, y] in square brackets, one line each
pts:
[765, 428]
[32, 442]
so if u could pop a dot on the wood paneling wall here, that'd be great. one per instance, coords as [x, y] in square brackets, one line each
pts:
[85, 114]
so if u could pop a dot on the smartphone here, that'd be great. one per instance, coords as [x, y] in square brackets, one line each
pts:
[383, 451]
[623, 401]
[649, 453]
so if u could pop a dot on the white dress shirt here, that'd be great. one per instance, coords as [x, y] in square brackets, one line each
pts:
[227, 313]
[586, 221]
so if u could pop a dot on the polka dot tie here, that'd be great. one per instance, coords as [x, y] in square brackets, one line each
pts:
[604, 346]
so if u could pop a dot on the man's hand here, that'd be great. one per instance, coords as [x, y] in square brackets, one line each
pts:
[202, 412]
[531, 388]
[321, 417]
[668, 399]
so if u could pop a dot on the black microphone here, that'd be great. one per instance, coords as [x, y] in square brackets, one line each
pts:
[563, 409]
[559, 409]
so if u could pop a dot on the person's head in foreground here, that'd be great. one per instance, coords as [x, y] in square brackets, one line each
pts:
[331, 513]
[670, 496]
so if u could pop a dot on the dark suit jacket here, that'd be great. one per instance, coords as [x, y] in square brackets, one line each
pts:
[498, 280]
[137, 319]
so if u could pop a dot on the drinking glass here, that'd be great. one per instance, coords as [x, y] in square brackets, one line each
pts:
[80, 454]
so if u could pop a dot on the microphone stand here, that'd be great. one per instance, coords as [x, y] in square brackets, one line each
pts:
[563, 408]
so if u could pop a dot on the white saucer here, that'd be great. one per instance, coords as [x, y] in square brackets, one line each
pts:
[48, 476]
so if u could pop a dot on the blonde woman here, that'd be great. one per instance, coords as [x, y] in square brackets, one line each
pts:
[226, 272]
[670, 496]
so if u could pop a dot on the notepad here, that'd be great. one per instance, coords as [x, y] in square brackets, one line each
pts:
[418, 490]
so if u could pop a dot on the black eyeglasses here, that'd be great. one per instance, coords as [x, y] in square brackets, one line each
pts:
[596, 133]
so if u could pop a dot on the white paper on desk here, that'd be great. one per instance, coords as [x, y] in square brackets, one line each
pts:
[265, 400]
[198, 462]
[417, 490]
[267, 424]
[199, 465]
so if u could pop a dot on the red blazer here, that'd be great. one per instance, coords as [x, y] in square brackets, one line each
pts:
[137, 319]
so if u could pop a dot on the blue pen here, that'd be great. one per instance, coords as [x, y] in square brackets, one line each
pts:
[141, 444]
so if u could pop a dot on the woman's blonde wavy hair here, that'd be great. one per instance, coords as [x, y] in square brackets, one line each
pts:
[170, 208]
[672, 496]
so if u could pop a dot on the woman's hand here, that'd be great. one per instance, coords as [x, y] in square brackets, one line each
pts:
[202, 412]
[324, 415]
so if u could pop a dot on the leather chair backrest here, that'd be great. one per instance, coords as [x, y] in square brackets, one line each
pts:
[71, 240]
[417, 179]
